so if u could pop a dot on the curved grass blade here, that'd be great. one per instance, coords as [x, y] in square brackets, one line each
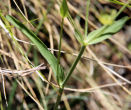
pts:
[51, 59]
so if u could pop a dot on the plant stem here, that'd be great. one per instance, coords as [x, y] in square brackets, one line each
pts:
[58, 98]
[59, 48]
[86, 21]
[74, 65]
[121, 9]
[68, 76]
[59, 54]
[77, 59]
[61, 34]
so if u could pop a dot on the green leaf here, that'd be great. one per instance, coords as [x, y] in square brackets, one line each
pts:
[94, 34]
[60, 77]
[51, 59]
[77, 33]
[116, 26]
[79, 36]
[64, 9]
[99, 39]
[105, 32]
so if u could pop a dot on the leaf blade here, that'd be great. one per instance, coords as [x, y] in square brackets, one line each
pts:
[50, 58]
[64, 9]
[105, 32]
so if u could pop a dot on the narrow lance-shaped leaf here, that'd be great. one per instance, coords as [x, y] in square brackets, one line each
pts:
[78, 36]
[77, 33]
[51, 59]
[105, 32]
[64, 9]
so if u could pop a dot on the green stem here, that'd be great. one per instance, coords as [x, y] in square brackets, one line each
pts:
[86, 21]
[59, 48]
[68, 76]
[122, 8]
[77, 59]
[59, 54]
[58, 98]
[74, 65]
[61, 34]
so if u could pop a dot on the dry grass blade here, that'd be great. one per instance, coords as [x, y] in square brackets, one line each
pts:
[21, 73]
[87, 58]
[8, 33]
[125, 89]
[22, 13]
[37, 102]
